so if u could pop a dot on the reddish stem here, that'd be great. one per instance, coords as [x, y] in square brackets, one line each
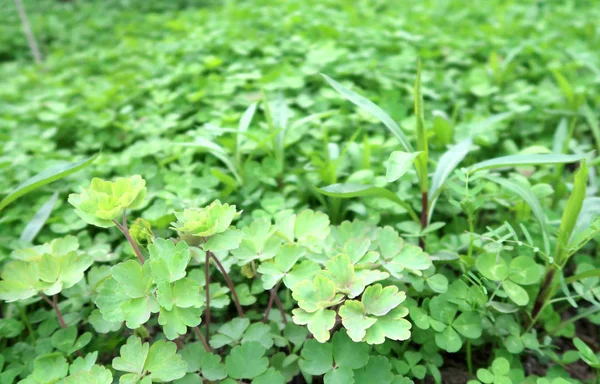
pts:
[123, 228]
[229, 283]
[202, 339]
[54, 304]
[270, 303]
[207, 281]
[281, 309]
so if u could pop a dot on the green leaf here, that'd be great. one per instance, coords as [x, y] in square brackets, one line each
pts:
[95, 375]
[135, 280]
[492, 266]
[168, 261]
[45, 177]
[445, 165]
[230, 332]
[372, 109]
[364, 190]
[271, 376]
[571, 212]
[312, 296]
[49, 368]
[398, 164]
[347, 353]
[220, 242]
[380, 301]
[515, 292]
[392, 326]
[176, 320]
[522, 160]
[103, 202]
[65, 340]
[286, 258]
[246, 361]
[448, 340]
[586, 353]
[355, 320]
[378, 370]
[339, 375]
[468, 324]
[422, 142]
[217, 151]
[524, 271]
[319, 323]
[341, 271]
[39, 219]
[399, 255]
[317, 358]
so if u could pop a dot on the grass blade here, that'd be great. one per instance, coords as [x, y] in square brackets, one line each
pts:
[45, 177]
[593, 123]
[39, 219]
[217, 151]
[529, 159]
[365, 190]
[242, 128]
[373, 109]
[560, 136]
[571, 212]
[422, 144]
[445, 166]
[532, 201]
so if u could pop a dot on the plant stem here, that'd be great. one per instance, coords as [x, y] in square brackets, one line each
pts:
[54, 304]
[33, 46]
[574, 319]
[207, 281]
[123, 228]
[202, 339]
[281, 309]
[270, 303]
[471, 230]
[469, 360]
[543, 294]
[424, 217]
[229, 283]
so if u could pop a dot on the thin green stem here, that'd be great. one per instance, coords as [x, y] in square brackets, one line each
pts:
[573, 319]
[469, 359]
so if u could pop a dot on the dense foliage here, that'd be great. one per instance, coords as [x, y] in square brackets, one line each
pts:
[303, 191]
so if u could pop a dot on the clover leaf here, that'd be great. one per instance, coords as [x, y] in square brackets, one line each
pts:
[95, 375]
[336, 359]
[230, 332]
[274, 271]
[317, 294]
[49, 268]
[448, 327]
[207, 363]
[377, 316]
[341, 271]
[65, 340]
[319, 322]
[246, 361]
[586, 353]
[398, 255]
[104, 201]
[378, 370]
[158, 363]
[410, 365]
[176, 320]
[207, 221]
[521, 271]
[498, 374]
[258, 243]
[168, 261]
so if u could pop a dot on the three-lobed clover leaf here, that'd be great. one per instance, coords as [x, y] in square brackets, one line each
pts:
[377, 316]
[521, 271]
[208, 364]
[497, 374]
[398, 256]
[274, 271]
[204, 222]
[449, 327]
[48, 268]
[104, 201]
[144, 363]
